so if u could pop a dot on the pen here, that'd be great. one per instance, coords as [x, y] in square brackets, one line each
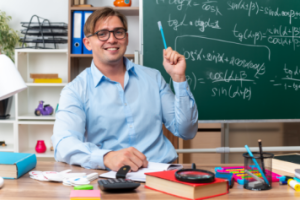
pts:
[261, 156]
[162, 33]
[255, 162]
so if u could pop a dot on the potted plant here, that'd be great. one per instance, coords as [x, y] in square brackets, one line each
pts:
[9, 38]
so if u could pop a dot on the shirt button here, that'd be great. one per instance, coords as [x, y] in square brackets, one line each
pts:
[125, 104]
[130, 126]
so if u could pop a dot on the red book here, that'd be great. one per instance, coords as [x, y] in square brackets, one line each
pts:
[166, 182]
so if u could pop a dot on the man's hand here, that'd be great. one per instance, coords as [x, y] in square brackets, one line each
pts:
[114, 160]
[174, 64]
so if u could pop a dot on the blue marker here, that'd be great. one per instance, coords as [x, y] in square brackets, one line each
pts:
[255, 162]
[162, 33]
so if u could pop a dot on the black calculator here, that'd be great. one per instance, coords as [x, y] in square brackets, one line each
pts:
[120, 183]
[117, 185]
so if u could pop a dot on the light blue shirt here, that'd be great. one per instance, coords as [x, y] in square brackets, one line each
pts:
[96, 116]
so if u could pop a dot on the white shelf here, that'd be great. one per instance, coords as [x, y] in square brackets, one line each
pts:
[42, 50]
[36, 122]
[47, 154]
[7, 121]
[8, 148]
[46, 84]
[34, 117]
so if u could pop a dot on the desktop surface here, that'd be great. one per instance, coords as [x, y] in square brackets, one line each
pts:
[26, 188]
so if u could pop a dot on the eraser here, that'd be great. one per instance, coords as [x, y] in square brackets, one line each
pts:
[84, 187]
[255, 184]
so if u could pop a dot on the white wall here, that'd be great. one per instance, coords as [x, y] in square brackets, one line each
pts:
[57, 11]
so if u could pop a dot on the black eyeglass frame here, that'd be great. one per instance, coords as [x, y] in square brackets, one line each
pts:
[113, 31]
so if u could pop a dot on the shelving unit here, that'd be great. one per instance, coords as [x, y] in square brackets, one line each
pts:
[23, 129]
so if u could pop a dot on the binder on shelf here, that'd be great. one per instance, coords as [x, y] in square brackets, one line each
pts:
[77, 36]
[86, 15]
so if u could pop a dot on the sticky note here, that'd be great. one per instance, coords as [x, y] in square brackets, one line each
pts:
[85, 194]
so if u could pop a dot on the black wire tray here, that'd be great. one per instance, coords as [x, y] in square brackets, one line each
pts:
[46, 32]
[45, 40]
[37, 25]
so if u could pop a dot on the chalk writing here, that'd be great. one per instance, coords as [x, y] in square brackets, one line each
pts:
[223, 41]
[180, 4]
[229, 77]
[198, 55]
[282, 35]
[232, 92]
[207, 6]
[202, 24]
[291, 78]
[257, 9]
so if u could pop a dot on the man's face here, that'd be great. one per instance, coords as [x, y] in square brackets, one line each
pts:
[112, 50]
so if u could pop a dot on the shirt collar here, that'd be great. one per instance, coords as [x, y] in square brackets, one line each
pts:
[98, 76]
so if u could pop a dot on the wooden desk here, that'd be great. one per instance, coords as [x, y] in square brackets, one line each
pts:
[26, 188]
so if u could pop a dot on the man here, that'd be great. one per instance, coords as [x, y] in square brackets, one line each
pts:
[112, 113]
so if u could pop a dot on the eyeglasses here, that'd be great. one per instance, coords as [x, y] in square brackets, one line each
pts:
[103, 35]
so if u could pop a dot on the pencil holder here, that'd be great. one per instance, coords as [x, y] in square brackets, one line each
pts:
[258, 171]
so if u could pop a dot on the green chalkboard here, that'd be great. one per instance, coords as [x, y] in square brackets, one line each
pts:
[242, 56]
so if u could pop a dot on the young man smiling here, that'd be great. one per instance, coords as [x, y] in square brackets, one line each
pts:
[112, 113]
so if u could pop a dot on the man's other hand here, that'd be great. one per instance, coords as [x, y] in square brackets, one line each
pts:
[114, 160]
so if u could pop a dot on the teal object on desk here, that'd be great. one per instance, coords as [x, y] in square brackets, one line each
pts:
[258, 167]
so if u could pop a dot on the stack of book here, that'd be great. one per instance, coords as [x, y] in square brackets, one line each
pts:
[166, 182]
[286, 162]
[45, 78]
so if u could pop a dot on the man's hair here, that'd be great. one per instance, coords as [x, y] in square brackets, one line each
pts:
[102, 14]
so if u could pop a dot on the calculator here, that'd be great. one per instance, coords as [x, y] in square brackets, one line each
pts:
[117, 185]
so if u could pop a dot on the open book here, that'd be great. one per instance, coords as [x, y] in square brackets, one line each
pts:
[140, 174]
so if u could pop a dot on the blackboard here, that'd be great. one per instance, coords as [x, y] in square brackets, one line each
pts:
[242, 56]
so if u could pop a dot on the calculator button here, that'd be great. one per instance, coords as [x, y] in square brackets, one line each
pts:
[110, 180]
[104, 182]
[116, 181]
[121, 180]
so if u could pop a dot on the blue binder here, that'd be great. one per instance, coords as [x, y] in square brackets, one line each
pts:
[77, 36]
[85, 16]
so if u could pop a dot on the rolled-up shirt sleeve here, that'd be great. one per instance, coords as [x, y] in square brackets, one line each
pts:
[69, 134]
[180, 114]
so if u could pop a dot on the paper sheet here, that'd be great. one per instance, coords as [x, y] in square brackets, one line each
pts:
[140, 174]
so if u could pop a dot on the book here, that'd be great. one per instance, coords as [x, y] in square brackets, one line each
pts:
[83, 6]
[85, 195]
[14, 165]
[286, 162]
[140, 174]
[34, 76]
[166, 182]
[47, 80]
